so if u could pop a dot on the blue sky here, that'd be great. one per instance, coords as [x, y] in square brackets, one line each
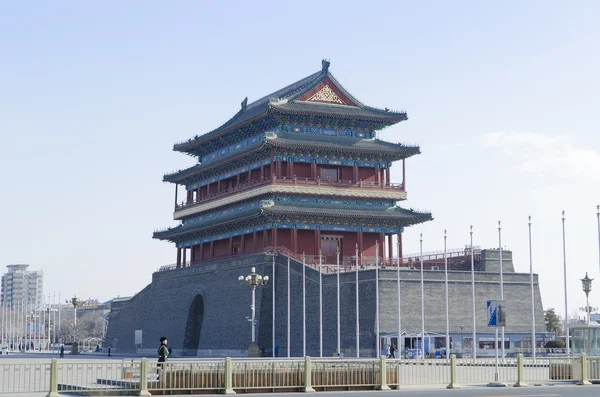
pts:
[502, 98]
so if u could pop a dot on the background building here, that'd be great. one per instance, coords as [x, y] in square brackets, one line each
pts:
[21, 286]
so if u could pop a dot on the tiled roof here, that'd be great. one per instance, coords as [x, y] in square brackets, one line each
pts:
[207, 222]
[338, 111]
[216, 160]
[406, 216]
[285, 100]
[291, 139]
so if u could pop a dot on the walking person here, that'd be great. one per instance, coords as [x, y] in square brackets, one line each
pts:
[392, 351]
[163, 353]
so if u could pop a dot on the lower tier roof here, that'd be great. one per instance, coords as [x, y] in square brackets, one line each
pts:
[278, 213]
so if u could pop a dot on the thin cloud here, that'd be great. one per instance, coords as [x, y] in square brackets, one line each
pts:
[547, 156]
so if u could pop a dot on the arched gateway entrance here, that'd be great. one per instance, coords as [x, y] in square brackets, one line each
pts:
[193, 327]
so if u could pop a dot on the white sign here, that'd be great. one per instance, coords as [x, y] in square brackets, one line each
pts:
[138, 336]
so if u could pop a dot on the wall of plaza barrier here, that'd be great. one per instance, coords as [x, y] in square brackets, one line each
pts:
[144, 377]
[163, 307]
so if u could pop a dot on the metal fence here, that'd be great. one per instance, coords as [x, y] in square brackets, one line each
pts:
[24, 377]
[111, 377]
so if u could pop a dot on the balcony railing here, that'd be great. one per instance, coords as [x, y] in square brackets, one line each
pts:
[340, 183]
[328, 264]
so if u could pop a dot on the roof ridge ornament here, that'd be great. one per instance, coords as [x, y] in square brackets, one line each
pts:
[325, 65]
[244, 104]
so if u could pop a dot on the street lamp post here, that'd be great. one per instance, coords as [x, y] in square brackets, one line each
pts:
[253, 280]
[586, 284]
[75, 302]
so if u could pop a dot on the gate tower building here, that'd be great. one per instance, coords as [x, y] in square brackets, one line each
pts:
[299, 170]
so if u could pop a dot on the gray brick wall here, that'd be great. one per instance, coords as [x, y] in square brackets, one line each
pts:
[162, 307]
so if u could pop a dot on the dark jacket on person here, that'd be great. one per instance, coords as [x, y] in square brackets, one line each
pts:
[163, 353]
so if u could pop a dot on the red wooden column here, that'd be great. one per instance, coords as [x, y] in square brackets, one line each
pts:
[382, 246]
[274, 231]
[219, 186]
[264, 236]
[355, 173]
[377, 175]
[192, 254]
[242, 244]
[295, 240]
[230, 246]
[390, 248]
[400, 249]
[272, 169]
[211, 250]
[253, 242]
[184, 254]
[201, 252]
[387, 176]
[237, 180]
[291, 173]
[178, 257]
[360, 246]
[278, 168]
[176, 186]
[262, 172]
[404, 174]
[317, 242]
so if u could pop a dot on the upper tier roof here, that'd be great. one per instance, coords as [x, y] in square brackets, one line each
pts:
[318, 94]
[388, 150]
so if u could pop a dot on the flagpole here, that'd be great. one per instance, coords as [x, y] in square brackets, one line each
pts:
[501, 282]
[272, 305]
[59, 331]
[320, 304]
[565, 282]
[288, 309]
[598, 216]
[474, 345]
[447, 304]
[357, 309]
[422, 302]
[532, 294]
[398, 292]
[377, 346]
[338, 299]
[303, 305]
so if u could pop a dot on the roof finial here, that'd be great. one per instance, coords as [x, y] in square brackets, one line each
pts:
[244, 104]
[325, 65]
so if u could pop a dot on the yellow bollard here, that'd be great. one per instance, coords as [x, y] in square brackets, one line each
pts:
[453, 384]
[53, 379]
[308, 375]
[584, 376]
[144, 378]
[228, 377]
[520, 375]
[382, 375]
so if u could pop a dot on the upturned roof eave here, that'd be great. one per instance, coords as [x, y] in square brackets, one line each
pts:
[198, 168]
[172, 233]
[395, 118]
[289, 93]
[287, 141]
